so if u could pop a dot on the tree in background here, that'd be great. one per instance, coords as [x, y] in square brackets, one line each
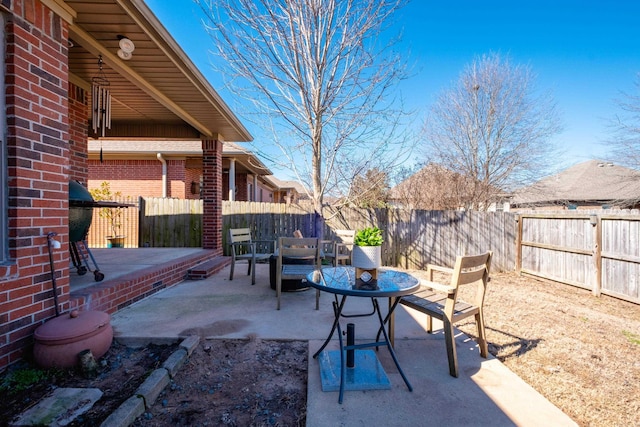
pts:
[625, 143]
[319, 74]
[492, 128]
[370, 190]
[433, 187]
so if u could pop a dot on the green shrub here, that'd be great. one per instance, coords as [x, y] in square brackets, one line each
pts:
[370, 236]
[22, 379]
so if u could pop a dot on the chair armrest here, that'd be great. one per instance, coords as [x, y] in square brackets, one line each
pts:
[431, 268]
[438, 286]
[240, 244]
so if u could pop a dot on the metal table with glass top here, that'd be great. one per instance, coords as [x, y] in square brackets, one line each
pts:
[358, 367]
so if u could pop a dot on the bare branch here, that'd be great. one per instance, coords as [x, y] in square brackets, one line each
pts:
[492, 129]
[625, 129]
[319, 74]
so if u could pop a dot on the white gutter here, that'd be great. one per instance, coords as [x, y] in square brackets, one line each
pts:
[164, 174]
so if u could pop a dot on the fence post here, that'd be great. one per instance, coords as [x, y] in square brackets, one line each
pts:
[596, 222]
[141, 223]
[518, 219]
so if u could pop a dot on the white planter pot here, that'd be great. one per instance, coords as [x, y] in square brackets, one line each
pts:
[367, 257]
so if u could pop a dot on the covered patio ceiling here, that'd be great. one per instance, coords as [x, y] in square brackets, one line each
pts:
[159, 92]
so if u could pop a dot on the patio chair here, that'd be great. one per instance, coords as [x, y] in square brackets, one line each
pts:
[341, 247]
[297, 248]
[243, 248]
[441, 301]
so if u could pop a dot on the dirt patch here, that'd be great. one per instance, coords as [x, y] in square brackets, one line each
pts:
[121, 371]
[236, 383]
[579, 351]
[224, 382]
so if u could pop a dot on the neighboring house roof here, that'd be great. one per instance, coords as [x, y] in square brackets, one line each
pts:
[159, 83]
[149, 148]
[289, 185]
[591, 181]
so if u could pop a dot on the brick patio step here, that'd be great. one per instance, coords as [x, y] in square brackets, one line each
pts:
[207, 268]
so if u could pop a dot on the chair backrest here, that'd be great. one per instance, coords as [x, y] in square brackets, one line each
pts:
[299, 247]
[470, 269]
[238, 235]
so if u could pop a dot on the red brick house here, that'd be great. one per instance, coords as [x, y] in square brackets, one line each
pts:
[173, 168]
[51, 54]
[288, 191]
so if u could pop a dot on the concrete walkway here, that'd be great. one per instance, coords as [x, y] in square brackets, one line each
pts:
[486, 393]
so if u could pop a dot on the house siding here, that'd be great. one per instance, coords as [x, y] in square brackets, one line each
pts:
[143, 178]
[38, 164]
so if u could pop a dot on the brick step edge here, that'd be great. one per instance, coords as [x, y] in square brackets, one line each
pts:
[207, 268]
[144, 398]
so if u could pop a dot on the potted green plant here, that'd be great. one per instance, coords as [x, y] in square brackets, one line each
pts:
[114, 216]
[367, 253]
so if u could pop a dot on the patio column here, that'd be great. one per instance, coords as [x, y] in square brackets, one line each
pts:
[212, 195]
[232, 180]
[256, 191]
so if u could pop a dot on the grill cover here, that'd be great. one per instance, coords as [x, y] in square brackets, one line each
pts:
[80, 211]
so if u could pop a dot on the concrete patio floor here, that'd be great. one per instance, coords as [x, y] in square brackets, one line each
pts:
[486, 392]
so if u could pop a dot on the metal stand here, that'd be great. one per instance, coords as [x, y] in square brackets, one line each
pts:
[80, 255]
[350, 348]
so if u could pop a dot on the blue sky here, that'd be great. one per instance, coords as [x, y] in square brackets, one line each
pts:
[586, 52]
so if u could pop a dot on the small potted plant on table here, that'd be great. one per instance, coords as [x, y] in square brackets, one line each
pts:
[367, 253]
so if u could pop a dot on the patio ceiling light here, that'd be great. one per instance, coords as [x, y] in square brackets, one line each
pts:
[126, 48]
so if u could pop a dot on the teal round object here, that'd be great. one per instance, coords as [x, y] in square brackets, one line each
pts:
[80, 211]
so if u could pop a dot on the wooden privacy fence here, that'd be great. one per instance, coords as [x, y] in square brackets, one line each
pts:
[101, 228]
[267, 221]
[170, 223]
[592, 250]
[595, 250]
[416, 238]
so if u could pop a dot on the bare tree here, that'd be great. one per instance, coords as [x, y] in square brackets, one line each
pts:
[370, 190]
[321, 71]
[433, 187]
[625, 126]
[492, 128]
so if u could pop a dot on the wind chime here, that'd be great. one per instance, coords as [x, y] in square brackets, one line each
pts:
[100, 103]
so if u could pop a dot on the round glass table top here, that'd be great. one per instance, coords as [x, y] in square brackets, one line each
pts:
[343, 281]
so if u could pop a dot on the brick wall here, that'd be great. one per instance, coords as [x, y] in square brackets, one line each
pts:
[241, 188]
[176, 179]
[38, 171]
[192, 175]
[78, 135]
[133, 178]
